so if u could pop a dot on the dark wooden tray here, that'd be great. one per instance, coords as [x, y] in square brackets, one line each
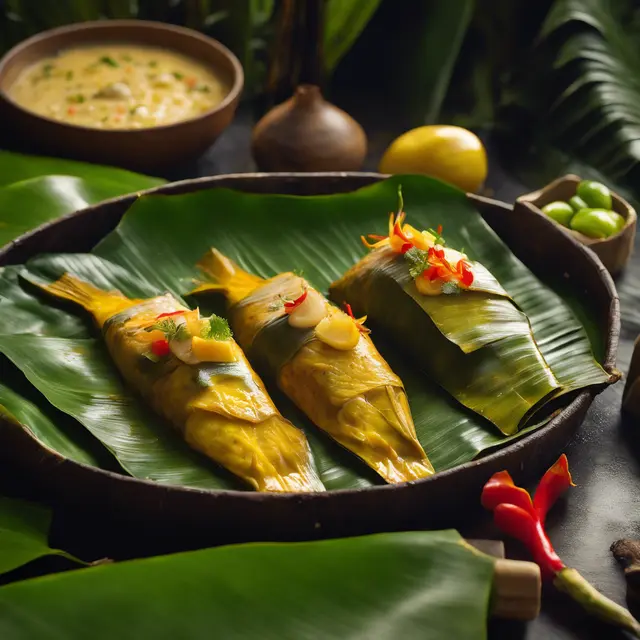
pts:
[152, 518]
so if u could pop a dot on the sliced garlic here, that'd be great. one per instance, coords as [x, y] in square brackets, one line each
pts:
[339, 331]
[181, 349]
[310, 312]
[453, 257]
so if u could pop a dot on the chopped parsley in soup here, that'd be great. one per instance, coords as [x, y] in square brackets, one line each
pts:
[118, 87]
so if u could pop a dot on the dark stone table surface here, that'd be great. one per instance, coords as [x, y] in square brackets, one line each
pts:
[604, 455]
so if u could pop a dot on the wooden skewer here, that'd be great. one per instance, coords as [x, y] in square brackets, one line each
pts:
[516, 590]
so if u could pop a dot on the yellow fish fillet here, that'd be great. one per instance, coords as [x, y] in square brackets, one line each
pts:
[351, 394]
[219, 404]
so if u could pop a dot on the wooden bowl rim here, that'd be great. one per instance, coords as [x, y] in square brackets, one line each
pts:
[584, 397]
[135, 25]
[628, 212]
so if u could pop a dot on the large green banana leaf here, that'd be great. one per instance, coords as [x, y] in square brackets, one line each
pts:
[34, 190]
[24, 529]
[415, 586]
[155, 248]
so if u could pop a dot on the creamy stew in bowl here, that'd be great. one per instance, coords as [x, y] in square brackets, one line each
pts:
[118, 87]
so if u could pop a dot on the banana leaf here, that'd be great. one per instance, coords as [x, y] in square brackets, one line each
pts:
[155, 249]
[34, 190]
[24, 529]
[421, 585]
[16, 167]
[581, 88]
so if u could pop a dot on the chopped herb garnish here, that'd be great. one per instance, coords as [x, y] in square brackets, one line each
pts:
[109, 61]
[69, 75]
[278, 304]
[171, 330]
[218, 329]
[418, 260]
[203, 378]
[126, 58]
[77, 99]
[203, 88]
[153, 63]
[47, 69]
[450, 288]
[178, 76]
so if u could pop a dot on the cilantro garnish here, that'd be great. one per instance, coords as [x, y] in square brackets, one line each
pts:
[109, 61]
[418, 260]
[178, 76]
[218, 329]
[171, 330]
[450, 288]
[77, 99]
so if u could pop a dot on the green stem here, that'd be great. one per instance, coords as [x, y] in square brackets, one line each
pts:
[571, 582]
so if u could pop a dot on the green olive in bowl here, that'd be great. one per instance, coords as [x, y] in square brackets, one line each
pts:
[597, 223]
[595, 194]
[560, 211]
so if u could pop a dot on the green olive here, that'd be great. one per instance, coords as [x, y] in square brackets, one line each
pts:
[559, 211]
[595, 223]
[618, 219]
[595, 194]
[578, 203]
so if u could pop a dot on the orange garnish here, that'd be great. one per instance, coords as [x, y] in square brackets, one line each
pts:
[440, 267]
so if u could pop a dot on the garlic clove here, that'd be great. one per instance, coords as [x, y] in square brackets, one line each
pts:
[310, 312]
[339, 331]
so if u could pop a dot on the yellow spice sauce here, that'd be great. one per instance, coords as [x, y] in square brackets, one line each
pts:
[118, 87]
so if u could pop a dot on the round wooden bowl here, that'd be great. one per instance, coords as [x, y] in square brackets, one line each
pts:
[614, 251]
[152, 518]
[146, 150]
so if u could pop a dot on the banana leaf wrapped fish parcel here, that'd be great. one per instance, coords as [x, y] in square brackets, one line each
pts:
[455, 320]
[191, 371]
[323, 360]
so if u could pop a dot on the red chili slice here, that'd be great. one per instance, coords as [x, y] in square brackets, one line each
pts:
[160, 348]
[170, 313]
[294, 304]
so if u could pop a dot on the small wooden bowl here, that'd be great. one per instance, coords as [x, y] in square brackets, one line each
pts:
[139, 149]
[614, 251]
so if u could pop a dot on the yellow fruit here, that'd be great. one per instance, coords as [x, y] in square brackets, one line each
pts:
[452, 154]
[338, 331]
[213, 350]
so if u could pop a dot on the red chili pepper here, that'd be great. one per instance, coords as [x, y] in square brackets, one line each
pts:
[517, 515]
[439, 229]
[71, 111]
[170, 313]
[160, 348]
[465, 273]
[553, 484]
[294, 304]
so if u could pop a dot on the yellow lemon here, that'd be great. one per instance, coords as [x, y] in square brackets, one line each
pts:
[452, 154]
